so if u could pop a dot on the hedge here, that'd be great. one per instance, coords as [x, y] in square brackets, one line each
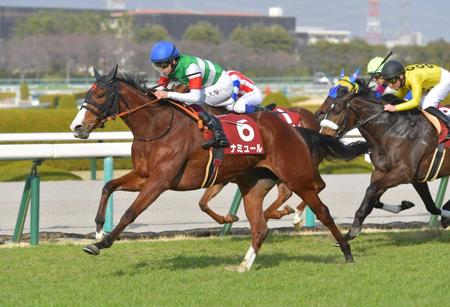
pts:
[7, 95]
[277, 97]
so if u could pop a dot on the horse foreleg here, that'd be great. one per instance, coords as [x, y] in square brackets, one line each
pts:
[149, 192]
[128, 182]
[209, 194]
[283, 195]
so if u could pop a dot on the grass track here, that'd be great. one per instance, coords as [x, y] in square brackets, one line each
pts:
[392, 269]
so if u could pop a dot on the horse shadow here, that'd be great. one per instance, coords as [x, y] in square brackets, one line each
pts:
[398, 239]
[263, 260]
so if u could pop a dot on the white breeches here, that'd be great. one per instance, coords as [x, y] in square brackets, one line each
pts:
[220, 92]
[254, 98]
[439, 92]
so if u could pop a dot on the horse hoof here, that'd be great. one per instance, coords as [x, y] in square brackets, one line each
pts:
[406, 205]
[349, 259]
[298, 226]
[236, 268]
[91, 249]
[234, 218]
[445, 222]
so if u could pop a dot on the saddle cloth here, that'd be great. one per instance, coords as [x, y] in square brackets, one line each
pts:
[441, 127]
[243, 135]
[292, 118]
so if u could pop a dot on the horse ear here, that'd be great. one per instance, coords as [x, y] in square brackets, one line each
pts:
[112, 74]
[97, 74]
[342, 73]
[355, 75]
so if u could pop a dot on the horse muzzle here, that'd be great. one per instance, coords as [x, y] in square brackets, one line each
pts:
[326, 123]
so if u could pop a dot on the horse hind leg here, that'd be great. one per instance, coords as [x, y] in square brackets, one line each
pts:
[323, 214]
[253, 196]
[283, 195]
[209, 194]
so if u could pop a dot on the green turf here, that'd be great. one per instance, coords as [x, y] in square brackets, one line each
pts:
[392, 269]
[19, 170]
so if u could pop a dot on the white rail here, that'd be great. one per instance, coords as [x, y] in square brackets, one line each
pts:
[64, 136]
[80, 149]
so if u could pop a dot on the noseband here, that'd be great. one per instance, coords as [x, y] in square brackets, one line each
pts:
[343, 123]
[104, 110]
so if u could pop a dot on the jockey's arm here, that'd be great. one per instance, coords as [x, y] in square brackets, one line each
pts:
[195, 94]
[416, 91]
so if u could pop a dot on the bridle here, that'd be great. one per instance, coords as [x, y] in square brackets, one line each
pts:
[110, 109]
[343, 123]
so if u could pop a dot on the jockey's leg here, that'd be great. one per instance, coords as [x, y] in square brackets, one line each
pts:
[438, 94]
[213, 124]
[217, 95]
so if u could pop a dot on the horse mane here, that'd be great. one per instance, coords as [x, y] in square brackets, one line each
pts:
[135, 80]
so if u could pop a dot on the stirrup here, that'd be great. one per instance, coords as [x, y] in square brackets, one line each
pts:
[214, 142]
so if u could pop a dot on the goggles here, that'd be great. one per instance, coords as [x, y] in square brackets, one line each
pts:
[392, 80]
[161, 65]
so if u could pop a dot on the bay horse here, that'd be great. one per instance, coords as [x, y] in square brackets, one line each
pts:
[167, 154]
[401, 146]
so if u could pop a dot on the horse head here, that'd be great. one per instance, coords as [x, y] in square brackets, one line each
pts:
[100, 102]
[346, 87]
[106, 99]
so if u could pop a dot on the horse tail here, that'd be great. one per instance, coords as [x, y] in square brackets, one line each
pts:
[328, 147]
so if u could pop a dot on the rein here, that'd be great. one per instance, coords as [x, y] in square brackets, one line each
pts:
[113, 101]
[131, 111]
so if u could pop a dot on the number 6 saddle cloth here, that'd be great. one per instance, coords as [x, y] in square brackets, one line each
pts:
[244, 138]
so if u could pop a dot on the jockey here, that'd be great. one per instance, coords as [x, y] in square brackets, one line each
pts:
[207, 81]
[374, 68]
[429, 85]
[246, 97]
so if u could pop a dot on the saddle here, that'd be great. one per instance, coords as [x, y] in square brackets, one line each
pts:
[440, 151]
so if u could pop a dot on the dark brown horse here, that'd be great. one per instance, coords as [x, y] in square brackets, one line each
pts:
[167, 154]
[272, 212]
[402, 145]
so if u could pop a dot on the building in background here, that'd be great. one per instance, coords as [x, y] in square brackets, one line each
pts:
[311, 35]
[176, 22]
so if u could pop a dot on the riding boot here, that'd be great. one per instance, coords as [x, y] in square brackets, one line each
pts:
[435, 111]
[249, 108]
[213, 124]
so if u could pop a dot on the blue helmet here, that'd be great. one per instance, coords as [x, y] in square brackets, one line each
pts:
[163, 51]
